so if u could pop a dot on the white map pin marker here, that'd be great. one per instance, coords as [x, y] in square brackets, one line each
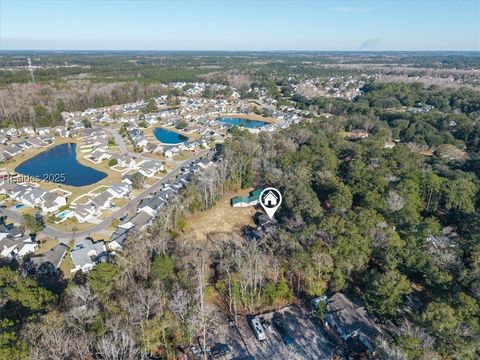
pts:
[270, 200]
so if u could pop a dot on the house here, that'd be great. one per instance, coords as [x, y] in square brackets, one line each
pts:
[84, 212]
[153, 148]
[103, 200]
[25, 145]
[150, 167]
[16, 248]
[27, 130]
[119, 190]
[350, 324]
[3, 156]
[13, 150]
[9, 230]
[35, 141]
[120, 235]
[244, 201]
[51, 202]
[18, 191]
[63, 132]
[87, 254]
[48, 262]
[33, 197]
[127, 161]
[142, 220]
[10, 132]
[43, 131]
[47, 139]
[167, 194]
[170, 152]
[98, 155]
[151, 205]
[6, 186]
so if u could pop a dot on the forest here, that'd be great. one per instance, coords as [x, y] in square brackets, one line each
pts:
[394, 227]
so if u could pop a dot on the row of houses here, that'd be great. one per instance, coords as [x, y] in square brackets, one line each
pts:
[86, 253]
[101, 201]
[147, 168]
[33, 196]
[9, 150]
[149, 208]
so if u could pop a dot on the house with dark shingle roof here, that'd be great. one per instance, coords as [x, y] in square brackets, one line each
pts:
[49, 261]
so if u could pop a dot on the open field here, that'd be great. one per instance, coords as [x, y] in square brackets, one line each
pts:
[221, 218]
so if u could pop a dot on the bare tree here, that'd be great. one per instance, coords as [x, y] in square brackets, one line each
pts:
[118, 344]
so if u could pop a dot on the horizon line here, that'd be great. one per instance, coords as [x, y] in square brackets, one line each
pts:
[253, 50]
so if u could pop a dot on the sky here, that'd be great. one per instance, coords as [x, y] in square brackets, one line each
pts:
[240, 25]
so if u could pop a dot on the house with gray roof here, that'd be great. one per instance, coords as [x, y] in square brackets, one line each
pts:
[142, 220]
[84, 212]
[33, 197]
[13, 150]
[9, 230]
[150, 167]
[151, 205]
[87, 254]
[7, 186]
[16, 248]
[103, 200]
[49, 261]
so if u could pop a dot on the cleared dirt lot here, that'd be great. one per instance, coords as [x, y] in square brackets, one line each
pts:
[309, 341]
[221, 218]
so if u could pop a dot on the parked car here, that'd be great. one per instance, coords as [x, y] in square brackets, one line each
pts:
[286, 338]
[219, 350]
[257, 329]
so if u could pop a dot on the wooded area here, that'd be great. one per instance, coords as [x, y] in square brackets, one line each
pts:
[397, 228]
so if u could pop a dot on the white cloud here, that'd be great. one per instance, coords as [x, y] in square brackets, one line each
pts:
[354, 10]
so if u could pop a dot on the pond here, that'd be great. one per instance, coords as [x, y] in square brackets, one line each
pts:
[247, 123]
[59, 164]
[168, 136]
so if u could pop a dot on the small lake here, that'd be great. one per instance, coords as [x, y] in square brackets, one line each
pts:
[59, 164]
[247, 123]
[169, 137]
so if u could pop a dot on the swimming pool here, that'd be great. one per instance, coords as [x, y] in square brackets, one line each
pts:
[62, 214]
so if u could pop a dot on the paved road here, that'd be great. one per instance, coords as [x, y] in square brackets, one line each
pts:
[132, 204]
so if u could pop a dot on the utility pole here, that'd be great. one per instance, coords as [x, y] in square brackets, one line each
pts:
[30, 67]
